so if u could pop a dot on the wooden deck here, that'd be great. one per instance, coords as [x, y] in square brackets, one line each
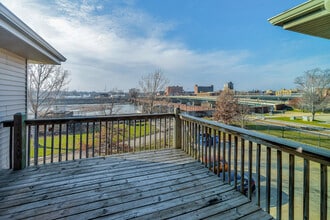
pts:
[147, 185]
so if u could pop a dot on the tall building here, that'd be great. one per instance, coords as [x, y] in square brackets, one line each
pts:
[199, 89]
[174, 90]
[228, 86]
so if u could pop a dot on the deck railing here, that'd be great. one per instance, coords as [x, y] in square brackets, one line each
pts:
[62, 139]
[288, 179]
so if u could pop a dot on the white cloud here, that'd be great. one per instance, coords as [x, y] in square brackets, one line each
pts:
[116, 48]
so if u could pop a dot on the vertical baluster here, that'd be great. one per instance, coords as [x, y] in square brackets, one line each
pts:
[209, 143]
[52, 145]
[124, 136]
[191, 139]
[268, 178]
[145, 134]
[80, 139]
[134, 138]
[117, 150]
[291, 185]
[150, 132]
[36, 145]
[160, 134]
[210, 148]
[242, 164]
[184, 136]
[219, 153]
[129, 135]
[73, 140]
[306, 189]
[250, 171]
[29, 145]
[155, 134]
[171, 134]
[258, 157]
[199, 143]
[60, 143]
[106, 141]
[204, 155]
[100, 138]
[140, 136]
[223, 155]
[87, 137]
[111, 138]
[229, 158]
[93, 139]
[67, 142]
[235, 160]
[215, 161]
[324, 192]
[165, 132]
[45, 143]
[279, 185]
[195, 141]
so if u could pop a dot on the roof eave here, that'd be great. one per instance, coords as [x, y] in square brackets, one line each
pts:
[17, 37]
[312, 17]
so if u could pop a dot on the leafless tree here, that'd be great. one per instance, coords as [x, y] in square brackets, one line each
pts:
[229, 111]
[314, 85]
[226, 107]
[45, 82]
[243, 112]
[150, 85]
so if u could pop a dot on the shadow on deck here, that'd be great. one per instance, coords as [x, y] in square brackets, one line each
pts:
[146, 185]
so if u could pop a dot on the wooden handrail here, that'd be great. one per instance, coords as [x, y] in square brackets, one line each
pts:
[238, 144]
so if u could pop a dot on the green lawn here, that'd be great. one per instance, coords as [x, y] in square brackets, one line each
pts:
[285, 132]
[119, 133]
[300, 121]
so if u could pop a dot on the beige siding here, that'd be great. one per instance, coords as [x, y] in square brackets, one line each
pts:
[12, 96]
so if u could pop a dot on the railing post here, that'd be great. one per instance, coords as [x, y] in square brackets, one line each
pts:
[177, 129]
[19, 142]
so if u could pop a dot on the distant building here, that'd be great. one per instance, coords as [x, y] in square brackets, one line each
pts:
[174, 90]
[201, 89]
[269, 92]
[228, 86]
[285, 92]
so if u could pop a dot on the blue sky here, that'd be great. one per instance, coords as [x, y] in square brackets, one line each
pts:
[111, 44]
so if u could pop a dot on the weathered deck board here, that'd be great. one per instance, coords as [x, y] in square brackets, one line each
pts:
[146, 185]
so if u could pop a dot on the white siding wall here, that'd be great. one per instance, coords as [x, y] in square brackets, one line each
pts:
[12, 96]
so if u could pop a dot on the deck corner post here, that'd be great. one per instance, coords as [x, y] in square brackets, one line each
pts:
[19, 156]
[177, 129]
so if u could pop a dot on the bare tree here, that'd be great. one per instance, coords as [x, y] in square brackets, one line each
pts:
[150, 85]
[314, 85]
[243, 112]
[226, 107]
[45, 82]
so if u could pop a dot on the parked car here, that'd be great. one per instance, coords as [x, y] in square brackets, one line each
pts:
[246, 181]
[207, 139]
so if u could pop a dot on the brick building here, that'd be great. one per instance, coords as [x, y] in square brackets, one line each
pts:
[174, 90]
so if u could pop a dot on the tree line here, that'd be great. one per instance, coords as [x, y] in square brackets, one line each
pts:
[45, 83]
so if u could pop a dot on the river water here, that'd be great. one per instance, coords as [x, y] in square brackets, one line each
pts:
[96, 109]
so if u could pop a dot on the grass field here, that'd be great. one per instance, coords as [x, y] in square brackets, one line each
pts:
[299, 120]
[79, 141]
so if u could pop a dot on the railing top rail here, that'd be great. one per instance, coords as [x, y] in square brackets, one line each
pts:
[312, 153]
[122, 117]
